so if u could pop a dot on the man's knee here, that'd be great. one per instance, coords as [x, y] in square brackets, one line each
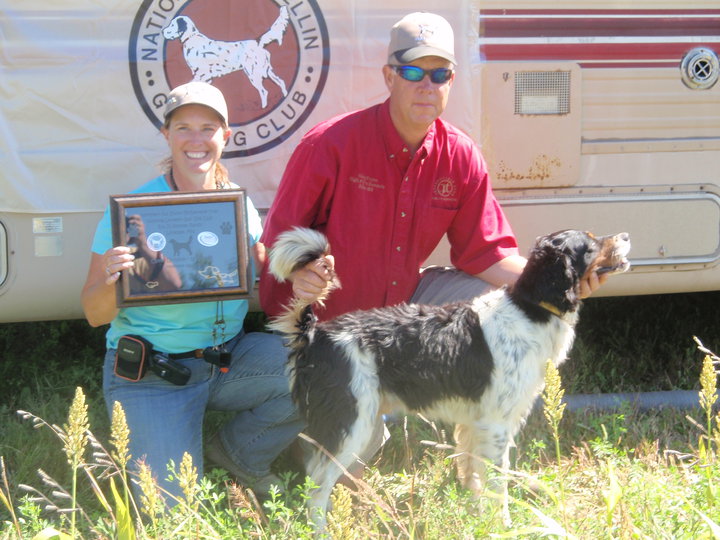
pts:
[442, 285]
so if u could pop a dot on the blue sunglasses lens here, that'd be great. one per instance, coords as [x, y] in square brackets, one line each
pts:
[440, 75]
[415, 74]
[410, 73]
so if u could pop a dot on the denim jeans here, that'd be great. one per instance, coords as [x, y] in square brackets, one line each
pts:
[444, 284]
[165, 420]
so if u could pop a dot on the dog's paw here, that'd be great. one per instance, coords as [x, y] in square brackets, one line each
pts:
[472, 482]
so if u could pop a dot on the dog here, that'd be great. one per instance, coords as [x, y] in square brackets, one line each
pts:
[478, 364]
[179, 246]
[209, 59]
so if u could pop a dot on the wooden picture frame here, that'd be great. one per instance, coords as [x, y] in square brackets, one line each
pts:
[189, 246]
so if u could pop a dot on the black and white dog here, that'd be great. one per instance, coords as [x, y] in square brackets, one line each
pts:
[478, 364]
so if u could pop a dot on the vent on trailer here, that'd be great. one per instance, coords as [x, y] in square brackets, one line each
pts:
[700, 69]
[542, 92]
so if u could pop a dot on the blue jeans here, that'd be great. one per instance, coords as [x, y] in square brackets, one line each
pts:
[165, 420]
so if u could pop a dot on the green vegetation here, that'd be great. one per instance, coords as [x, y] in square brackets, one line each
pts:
[581, 474]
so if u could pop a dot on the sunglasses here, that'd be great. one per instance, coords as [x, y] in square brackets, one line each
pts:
[415, 74]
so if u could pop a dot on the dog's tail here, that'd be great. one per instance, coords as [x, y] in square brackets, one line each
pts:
[291, 251]
[276, 31]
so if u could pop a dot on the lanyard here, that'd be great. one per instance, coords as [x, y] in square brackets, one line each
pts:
[218, 326]
[218, 354]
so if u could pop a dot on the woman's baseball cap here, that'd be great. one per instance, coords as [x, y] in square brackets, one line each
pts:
[197, 93]
[421, 34]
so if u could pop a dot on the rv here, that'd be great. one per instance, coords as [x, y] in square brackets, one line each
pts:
[602, 116]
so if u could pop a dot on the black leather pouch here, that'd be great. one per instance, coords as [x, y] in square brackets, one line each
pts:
[133, 357]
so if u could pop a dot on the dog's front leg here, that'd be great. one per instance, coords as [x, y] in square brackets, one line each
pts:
[497, 450]
[475, 444]
[505, 464]
[471, 471]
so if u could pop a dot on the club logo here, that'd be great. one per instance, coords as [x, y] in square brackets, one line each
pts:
[156, 241]
[208, 239]
[270, 59]
[445, 189]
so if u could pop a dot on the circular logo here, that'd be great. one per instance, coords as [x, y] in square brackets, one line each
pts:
[270, 61]
[208, 239]
[156, 241]
[445, 188]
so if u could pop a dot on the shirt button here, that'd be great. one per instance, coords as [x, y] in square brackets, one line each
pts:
[392, 156]
[407, 178]
[398, 248]
[394, 282]
[405, 150]
[403, 214]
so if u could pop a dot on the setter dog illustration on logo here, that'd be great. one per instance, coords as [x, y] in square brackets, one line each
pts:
[209, 59]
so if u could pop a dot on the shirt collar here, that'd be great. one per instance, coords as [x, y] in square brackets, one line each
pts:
[394, 145]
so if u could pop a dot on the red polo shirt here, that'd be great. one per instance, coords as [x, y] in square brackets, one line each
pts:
[383, 210]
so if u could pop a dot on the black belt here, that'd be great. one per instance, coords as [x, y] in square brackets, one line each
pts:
[196, 353]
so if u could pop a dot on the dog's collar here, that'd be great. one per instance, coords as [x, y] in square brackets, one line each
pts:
[547, 306]
[551, 308]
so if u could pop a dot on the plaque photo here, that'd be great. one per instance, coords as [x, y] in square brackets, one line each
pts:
[188, 246]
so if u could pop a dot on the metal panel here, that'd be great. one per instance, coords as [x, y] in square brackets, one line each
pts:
[531, 117]
[675, 233]
[47, 262]
[3, 254]
[665, 228]
[651, 106]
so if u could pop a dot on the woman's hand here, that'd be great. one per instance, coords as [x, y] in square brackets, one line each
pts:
[98, 294]
[115, 260]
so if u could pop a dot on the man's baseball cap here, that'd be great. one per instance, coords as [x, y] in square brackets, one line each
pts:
[197, 93]
[421, 34]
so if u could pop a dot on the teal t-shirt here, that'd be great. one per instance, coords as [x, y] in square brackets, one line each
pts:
[174, 328]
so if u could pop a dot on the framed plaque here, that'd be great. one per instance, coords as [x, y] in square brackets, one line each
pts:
[188, 246]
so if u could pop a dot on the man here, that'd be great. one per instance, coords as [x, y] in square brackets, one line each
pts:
[386, 183]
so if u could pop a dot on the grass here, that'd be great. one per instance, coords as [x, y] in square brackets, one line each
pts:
[613, 479]
[583, 474]
[642, 343]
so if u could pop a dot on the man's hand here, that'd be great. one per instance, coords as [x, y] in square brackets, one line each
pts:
[311, 282]
[591, 284]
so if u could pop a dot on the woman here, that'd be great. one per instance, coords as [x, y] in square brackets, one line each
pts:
[165, 419]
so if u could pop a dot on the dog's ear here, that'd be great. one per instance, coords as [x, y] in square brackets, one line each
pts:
[181, 24]
[550, 276]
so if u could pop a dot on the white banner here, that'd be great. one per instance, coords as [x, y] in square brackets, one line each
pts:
[83, 85]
